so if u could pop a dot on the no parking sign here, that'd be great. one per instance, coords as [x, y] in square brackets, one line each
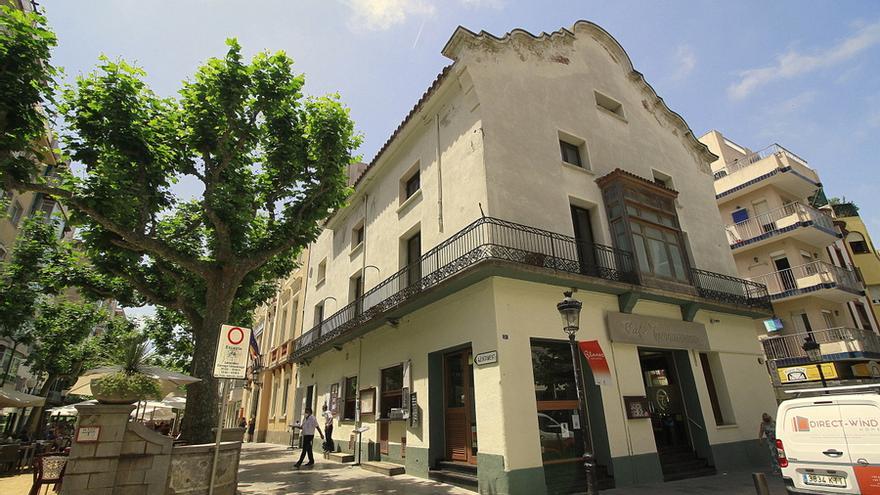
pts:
[231, 358]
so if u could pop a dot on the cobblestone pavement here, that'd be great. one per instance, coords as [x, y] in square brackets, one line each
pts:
[268, 469]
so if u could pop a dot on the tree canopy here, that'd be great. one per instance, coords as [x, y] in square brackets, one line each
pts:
[270, 163]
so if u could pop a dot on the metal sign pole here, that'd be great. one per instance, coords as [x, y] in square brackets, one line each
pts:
[217, 437]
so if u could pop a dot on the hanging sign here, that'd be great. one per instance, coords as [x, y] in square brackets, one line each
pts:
[596, 359]
[231, 358]
[414, 416]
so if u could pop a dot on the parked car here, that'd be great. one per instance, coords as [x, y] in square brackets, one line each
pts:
[830, 443]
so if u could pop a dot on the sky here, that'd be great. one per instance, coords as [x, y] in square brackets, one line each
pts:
[804, 74]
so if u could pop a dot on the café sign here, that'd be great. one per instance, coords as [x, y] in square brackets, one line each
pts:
[650, 331]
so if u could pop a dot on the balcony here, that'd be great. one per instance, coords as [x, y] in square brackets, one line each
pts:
[774, 165]
[816, 278]
[493, 240]
[795, 220]
[836, 344]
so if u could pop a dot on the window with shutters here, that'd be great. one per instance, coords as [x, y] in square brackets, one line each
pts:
[391, 389]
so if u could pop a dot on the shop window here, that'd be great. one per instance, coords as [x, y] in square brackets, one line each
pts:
[559, 422]
[391, 389]
[350, 398]
[717, 387]
[644, 221]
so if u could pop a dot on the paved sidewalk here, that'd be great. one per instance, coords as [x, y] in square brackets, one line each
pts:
[268, 469]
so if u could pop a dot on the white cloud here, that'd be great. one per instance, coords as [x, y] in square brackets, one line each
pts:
[793, 63]
[685, 61]
[380, 15]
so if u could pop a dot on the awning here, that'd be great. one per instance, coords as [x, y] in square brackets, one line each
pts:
[11, 398]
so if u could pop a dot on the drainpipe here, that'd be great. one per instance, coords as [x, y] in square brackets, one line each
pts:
[438, 157]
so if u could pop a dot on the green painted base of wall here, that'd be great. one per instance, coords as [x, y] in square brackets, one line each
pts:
[393, 455]
[637, 470]
[417, 461]
[493, 479]
[745, 454]
[277, 437]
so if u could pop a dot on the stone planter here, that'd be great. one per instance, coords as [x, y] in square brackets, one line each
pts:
[115, 397]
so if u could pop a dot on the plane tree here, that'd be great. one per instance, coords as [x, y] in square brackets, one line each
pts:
[198, 202]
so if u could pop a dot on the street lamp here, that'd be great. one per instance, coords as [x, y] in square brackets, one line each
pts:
[814, 354]
[570, 310]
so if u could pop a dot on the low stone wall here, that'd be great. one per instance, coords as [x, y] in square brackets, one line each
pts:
[114, 456]
[191, 469]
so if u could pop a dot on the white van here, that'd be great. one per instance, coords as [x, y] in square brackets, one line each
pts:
[829, 444]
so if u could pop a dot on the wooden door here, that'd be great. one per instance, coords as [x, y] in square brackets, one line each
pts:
[457, 399]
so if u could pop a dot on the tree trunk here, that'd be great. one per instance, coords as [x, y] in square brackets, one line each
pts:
[35, 418]
[202, 398]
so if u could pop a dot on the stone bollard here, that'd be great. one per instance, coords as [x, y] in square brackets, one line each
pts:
[111, 456]
[761, 487]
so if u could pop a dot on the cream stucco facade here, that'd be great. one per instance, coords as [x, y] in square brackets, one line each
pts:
[534, 165]
[783, 237]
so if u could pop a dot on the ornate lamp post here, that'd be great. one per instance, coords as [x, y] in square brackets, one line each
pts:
[570, 310]
[814, 354]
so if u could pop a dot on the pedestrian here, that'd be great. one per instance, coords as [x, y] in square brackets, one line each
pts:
[308, 427]
[250, 429]
[242, 423]
[767, 433]
[328, 430]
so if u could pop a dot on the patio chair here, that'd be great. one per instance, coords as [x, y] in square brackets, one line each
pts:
[48, 470]
[8, 457]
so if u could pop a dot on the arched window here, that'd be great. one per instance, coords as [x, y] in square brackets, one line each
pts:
[857, 243]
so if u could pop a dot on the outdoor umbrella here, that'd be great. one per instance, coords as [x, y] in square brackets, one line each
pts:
[70, 409]
[174, 401]
[156, 411]
[169, 381]
[11, 398]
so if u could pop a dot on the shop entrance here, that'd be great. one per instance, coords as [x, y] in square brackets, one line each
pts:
[678, 429]
[460, 414]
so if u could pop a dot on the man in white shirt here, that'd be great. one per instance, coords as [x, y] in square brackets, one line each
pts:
[308, 427]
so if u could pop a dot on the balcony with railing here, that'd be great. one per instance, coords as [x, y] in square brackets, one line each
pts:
[771, 165]
[796, 220]
[835, 344]
[816, 278]
[490, 239]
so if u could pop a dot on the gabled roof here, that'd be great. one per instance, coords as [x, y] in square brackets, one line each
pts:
[462, 35]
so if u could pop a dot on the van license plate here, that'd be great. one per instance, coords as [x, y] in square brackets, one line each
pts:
[825, 480]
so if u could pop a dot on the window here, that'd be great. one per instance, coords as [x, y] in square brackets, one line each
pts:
[718, 396]
[322, 271]
[644, 221]
[413, 259]
[570, 153]
[319, 313]
[356, 290]
[283, 335]
[6, 355]
[857, 243]
[662, 179]
[15, 212]
[350, 398]
[412, 185]
[609, 104]
[284, 396]
[862, 313]
[392, 389]
[357, 235]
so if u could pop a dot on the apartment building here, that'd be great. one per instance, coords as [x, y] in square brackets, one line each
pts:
[781, 238]
[268, 397]
[530, 166]
[857, 242]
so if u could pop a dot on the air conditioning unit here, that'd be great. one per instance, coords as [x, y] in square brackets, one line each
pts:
[397, 413]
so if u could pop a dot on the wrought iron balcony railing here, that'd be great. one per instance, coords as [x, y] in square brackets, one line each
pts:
[757, 156]
[792, 214]
[812, 274]
[832, 341]
[493, 239]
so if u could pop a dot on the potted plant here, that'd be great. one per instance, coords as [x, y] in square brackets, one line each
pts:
[125, 382]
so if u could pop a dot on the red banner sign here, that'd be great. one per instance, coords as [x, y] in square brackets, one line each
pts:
[596, 359]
